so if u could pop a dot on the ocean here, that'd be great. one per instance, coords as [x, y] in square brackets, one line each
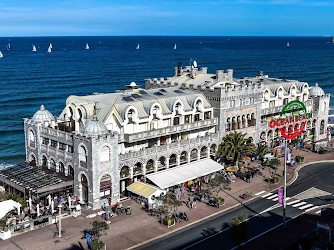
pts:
[29, 79]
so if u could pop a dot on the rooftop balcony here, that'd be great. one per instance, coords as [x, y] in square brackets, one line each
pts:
[278, 109]
[184, 144]
[57, 135]
[170, 130]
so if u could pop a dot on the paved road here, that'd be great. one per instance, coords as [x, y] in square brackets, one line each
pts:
[320, 176]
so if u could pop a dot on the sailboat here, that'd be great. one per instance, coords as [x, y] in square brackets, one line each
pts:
[175, 46]
[288, 44]
[8, 46]
[137, 46]
[33, 48]
[50, 45]
[1, 55]
[49, 49]
[87, 46]
[333, 40]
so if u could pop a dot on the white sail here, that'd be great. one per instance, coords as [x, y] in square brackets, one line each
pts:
[50, 45]
[288, 44]
[33, 48]
[49, 50]
[87, 46]
[8, 46]
[137, 46]
[175, 46]
[1, 55]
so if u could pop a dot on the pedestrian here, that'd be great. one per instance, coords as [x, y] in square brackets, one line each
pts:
[189, 202]
[104, 206]
[109, 200]
[194, 203]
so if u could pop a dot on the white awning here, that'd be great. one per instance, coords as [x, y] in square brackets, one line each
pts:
[190, 171]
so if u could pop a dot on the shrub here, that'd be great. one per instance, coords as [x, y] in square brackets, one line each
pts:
[96, 245]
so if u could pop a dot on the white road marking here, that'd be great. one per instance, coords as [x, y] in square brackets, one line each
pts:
[307, 210]
[273, 196]
[260, 192]
[299, 204]
[292, 202]
[266, 195]
[306, 206]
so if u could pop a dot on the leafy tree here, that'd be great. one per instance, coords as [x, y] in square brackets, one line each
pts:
[239, 229]
[217, 184]
[273, 165]
[262, 150]
[169, 204]
[236, 146]
[99, 228]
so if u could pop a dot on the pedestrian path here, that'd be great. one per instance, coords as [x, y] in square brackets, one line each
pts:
[302, 205]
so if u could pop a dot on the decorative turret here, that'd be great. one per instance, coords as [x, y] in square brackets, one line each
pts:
[316, 91]
[94, 126]
[43, 115]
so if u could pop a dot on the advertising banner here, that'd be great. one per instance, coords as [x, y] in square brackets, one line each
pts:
[280, 196]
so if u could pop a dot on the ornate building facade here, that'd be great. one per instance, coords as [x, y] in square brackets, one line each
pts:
[104, 142]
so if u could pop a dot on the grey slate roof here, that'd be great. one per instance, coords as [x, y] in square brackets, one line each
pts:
[119, 102]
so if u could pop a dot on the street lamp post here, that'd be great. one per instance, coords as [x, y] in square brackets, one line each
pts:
[59, 219]
[284, 193]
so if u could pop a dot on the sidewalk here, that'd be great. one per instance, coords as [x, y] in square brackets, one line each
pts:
[129, 230]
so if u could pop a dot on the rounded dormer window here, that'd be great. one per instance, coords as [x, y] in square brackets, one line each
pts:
[293, 91]
[131, 115]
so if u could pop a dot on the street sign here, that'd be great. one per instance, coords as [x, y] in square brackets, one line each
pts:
[280, 196]
[88, 239]
[323, 225]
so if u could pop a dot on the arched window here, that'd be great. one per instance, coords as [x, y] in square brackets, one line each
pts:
[198, 105]
[155, 112]
[105, 186]
[183, 157]
[80, 114]
[104, 154]
[70, 112]
[82, 154]
[138, 168]
[125, 172]
[204, 152]
[162, 162]
[61, 167]
[131, 115]
[266, 95]
[177, 109]
[213, 149]
[53, 165]
[150, 165]
[44, 161]
[31, 138]
[32, 160]
[70, 171]
[172, 160]
[193, 155]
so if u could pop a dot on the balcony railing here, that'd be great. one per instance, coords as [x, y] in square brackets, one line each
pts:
[169, 130]
[57, 135]
[278, 109]
[166, 147]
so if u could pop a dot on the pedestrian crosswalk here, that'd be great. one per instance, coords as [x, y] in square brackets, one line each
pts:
[302, 205]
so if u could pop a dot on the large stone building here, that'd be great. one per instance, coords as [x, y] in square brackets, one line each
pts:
[104, 142]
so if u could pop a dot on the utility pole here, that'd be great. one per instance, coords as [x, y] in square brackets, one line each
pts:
[284, 194]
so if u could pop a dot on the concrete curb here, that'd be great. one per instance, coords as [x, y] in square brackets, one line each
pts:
[229, 208]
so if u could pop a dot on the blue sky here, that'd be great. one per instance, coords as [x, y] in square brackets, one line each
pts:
[169, 17]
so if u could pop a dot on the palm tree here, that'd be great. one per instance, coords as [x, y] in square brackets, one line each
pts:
[236, 146]
[262, 150]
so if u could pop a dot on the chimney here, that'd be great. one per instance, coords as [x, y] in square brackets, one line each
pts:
[179, 68]
[219, 75]
[230, 75]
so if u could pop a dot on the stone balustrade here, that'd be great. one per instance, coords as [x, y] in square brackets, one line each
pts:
[57, 135]
[170, 130]
[278, 109]
[184, 144]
